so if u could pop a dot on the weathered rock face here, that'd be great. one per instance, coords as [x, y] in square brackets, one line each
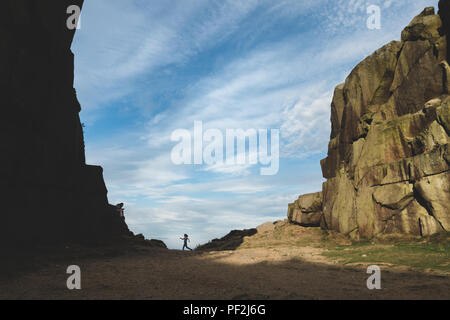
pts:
[49, 194]
[306, 210]
[388, 158]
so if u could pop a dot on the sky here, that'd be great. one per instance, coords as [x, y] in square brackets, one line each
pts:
[144, 69]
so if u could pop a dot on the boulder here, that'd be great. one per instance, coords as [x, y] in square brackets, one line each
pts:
[306, 210]
[266, 227]
[156, 244]
[425, 26]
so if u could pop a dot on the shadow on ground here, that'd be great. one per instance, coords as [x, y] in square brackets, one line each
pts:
[243, 274]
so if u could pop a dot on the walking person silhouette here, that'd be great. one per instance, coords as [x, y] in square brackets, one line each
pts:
[186, 239]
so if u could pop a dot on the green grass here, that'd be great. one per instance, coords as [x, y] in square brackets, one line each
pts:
[415, 252]
[428, 253]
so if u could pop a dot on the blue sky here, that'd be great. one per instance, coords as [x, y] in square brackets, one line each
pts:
[146, 68]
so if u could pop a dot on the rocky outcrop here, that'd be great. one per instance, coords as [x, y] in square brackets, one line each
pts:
[387, 168]
[231, 241]
[153, 243]
[49, 193]
[306, 210]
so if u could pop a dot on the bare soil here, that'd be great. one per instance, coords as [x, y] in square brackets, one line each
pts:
[275, 271]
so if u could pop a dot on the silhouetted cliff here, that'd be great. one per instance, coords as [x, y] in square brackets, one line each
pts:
[444, 12]
[48, 192]
[388, 157]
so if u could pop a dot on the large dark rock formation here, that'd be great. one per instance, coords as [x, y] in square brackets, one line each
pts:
[48, 192]
[389, 156]
[444, 12]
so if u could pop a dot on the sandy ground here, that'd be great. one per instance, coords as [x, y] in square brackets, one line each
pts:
[253, 273]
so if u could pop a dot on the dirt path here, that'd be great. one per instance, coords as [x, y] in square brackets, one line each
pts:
[254, 273]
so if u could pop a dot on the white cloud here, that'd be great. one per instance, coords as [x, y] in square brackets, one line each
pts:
[283, 82]
[232, 169]
[123, 40]
[242, 189]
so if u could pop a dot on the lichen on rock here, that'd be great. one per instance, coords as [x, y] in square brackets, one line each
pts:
[306, 210]
[388, 157]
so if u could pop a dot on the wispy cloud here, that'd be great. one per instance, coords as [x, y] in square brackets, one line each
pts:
[144, 69]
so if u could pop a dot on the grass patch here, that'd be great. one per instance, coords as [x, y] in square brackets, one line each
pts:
[399, 250]
[427, 253]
